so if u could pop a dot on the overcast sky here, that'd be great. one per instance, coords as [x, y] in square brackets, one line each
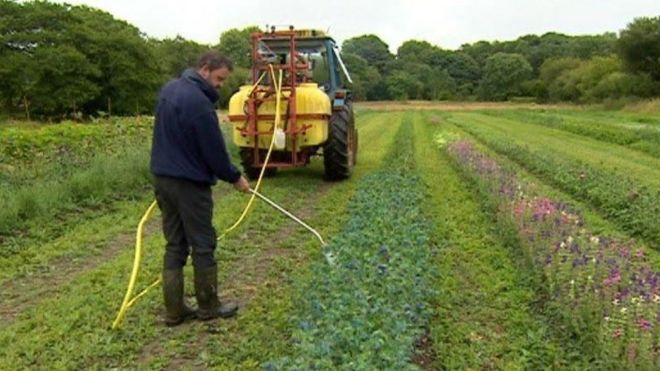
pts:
[441, 22]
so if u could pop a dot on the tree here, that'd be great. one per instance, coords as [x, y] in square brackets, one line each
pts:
[552, 68]
[639, 46]
[24, 29]
[64, 81]
[503, 75]
[177, 54]
[236, 44]
[622, 84]
[415, 51]
[588, 46]
[480, 51]
[372, 49]
[402, 85]
[441, 85]
[461, 67]
[365, 77]
[130, 72]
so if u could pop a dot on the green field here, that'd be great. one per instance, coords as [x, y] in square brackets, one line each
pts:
[467, 238]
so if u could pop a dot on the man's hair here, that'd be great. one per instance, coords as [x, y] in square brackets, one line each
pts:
[214, 60]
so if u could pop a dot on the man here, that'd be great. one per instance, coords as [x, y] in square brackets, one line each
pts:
[188, 156]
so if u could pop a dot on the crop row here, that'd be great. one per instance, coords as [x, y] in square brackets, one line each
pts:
[633, 206]
[604, 291]
[365, 307]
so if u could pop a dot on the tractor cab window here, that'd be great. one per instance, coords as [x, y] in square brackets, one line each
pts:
[320, 70]
[311, 53]
[317, 71]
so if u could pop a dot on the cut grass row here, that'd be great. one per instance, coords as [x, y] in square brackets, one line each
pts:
[638, 134]
[642, 167]
[632, 204]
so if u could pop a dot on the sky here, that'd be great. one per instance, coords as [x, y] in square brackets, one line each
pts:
[444, 23]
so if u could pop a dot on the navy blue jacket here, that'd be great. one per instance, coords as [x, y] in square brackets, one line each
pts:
[187, 142]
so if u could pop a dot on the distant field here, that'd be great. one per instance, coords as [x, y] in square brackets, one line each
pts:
[450, 106]
[471, 236]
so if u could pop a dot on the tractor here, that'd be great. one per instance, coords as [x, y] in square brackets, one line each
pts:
[315, 111]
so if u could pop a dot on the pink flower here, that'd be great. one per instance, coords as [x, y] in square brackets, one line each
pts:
[615, 277]
[644, 324]
[543, 207]
[617, 333]
[639, 253]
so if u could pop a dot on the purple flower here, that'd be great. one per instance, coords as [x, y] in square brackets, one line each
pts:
[580, 261]
[622, 294]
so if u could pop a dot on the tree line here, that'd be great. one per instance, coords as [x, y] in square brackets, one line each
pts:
[60, 60]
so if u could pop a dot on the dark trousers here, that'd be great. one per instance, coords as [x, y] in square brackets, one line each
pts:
[187, 211]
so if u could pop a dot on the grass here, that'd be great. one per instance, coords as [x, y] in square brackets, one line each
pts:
[83, 309]
[483, 303]
[107, 179]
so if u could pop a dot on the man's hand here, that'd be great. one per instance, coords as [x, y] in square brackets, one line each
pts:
[242, 185]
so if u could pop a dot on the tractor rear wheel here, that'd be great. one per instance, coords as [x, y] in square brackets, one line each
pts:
[339, 150]
[247, 160]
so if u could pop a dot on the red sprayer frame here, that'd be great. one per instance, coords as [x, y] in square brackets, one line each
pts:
[262, 94]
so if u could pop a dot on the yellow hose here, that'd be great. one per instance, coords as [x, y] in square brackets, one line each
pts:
[128, 301]
[278, 88]
[136, 266]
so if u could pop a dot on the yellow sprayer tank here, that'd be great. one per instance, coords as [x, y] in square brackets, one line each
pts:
[312, 106]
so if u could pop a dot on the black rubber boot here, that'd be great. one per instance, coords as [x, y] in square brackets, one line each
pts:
[176, 309]
[206, 291]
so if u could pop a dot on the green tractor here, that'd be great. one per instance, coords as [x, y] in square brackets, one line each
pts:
[315, 115]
